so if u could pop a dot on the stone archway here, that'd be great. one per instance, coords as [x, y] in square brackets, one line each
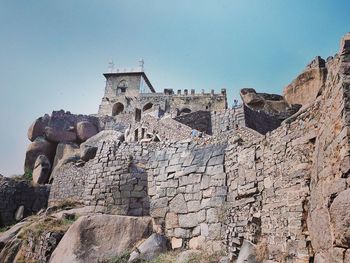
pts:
[185, 111]
[117, 108]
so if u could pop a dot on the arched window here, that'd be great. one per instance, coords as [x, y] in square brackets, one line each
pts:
[122, 86]
[147, 106]
[117, 108]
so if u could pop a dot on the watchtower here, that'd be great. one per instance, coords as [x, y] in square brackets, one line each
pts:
[123, 88]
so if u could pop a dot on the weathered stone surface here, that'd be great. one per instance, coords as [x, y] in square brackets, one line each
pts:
[307, 86]
[196, 242]
[38, 128]
[9, 252]
[265, 112]
[42, 168]
[17, 193]
[188, 220]
[85, 130]
[178, 205]
[19, 213]
[150, 248]
[176, 243]
[247, 253]
[187, 256]
[40, 146]
[65, 153]
[10, 233]
[87, 152]
[92, 238]
[320, 229]
[340, 218]
[59, 135]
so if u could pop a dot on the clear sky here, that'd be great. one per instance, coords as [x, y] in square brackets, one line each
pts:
[53, 53]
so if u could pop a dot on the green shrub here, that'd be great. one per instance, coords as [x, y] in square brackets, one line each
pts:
[28, 175]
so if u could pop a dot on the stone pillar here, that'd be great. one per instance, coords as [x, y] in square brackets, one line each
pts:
[212, 92]
[193, 91]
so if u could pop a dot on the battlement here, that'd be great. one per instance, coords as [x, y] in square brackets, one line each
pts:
[131, 92]
[192, 92]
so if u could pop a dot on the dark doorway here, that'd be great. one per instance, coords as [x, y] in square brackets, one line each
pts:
[137, 115]
[117, 109]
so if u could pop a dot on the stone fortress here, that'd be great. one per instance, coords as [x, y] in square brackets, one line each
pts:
[270, 174]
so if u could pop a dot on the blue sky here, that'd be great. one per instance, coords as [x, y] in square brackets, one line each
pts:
[53, 53]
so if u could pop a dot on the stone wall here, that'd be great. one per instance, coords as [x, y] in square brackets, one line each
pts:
[114, 180]
[117, 179]
[224, 120]
[14, 194]
[287, 191]
[187, 189]
[69, 182]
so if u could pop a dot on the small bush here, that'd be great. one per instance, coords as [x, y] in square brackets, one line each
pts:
[28, 175]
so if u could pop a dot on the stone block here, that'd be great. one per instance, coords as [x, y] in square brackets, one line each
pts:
[204, 229]
[196, 242]
[212, 215]
[182, 233]
[171, 220]
[178, 204]
[188, 220]
[193, 206]
[176, 243]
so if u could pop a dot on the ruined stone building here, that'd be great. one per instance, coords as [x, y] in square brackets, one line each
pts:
[131, 92]
[272, 173]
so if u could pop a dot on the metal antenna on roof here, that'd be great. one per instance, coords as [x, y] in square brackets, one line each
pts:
[142, 64]
[111, 66]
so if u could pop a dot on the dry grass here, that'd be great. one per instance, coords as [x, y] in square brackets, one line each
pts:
[47, 224]
[261, 251]
[202, 257]
[168, 257]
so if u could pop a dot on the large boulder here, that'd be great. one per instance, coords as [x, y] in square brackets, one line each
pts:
[89, 147]
[308, 85]
[85, 130]
[60, 135]
[42, 168]
[265, 112]
[340, 218]
[98, 237]
[65, 152]
[40, 146]
[38, 127]
[150, 248]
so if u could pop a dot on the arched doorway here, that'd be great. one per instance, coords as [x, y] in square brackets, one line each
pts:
[117, 108]
[147, 106]
[185, 111]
